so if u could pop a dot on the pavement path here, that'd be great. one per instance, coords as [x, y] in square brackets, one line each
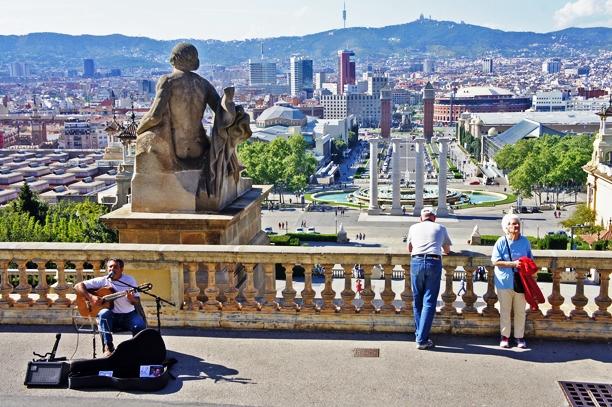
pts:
[272, 368]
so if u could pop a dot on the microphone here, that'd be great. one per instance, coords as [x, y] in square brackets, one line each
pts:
[110, 275]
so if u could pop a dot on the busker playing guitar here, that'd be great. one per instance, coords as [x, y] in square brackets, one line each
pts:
[123, 315]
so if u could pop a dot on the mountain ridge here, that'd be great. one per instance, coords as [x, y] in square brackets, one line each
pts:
[419, 38]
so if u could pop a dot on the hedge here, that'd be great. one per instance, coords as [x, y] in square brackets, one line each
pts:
[284, 240]
[315, 237]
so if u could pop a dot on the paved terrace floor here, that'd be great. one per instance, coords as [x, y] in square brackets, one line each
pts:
[255, 368]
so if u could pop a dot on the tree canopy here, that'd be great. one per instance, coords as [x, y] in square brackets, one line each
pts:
[547, 163]
[281, 162]
[28, 219]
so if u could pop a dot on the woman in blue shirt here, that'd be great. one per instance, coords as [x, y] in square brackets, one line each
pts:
[506, 252]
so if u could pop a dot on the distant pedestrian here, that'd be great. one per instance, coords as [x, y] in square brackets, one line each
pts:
[358, 288]
[462, 288]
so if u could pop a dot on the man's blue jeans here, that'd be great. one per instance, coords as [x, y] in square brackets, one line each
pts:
[425, 274]
[109, 322]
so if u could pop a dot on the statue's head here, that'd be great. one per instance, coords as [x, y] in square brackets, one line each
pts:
[184, 57]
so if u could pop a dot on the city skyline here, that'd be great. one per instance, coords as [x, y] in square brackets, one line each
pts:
[274, 18]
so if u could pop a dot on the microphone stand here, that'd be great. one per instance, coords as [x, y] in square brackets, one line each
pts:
[158, 301]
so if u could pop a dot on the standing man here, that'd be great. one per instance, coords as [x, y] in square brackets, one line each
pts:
[426, 241]
[123, 316]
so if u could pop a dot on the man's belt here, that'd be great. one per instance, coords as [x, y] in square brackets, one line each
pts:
[427, 256]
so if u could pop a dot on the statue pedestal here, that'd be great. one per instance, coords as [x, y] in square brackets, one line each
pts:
[239, 223]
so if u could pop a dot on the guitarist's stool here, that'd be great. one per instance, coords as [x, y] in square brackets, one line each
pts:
[89, 325]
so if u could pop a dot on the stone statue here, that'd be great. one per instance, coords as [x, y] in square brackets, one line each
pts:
[178, 167]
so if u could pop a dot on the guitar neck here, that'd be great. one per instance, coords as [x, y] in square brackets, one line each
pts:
[114, 296]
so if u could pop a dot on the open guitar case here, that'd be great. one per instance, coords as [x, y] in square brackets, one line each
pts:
[145, 348]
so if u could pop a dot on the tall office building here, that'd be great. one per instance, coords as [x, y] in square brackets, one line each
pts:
[551, 65]
[19, 70]
[346, 69]
[429, 66]
[262, 73]
[375, 83]
[487, 65]
[89, 68]
[320, 78]
[301, 76]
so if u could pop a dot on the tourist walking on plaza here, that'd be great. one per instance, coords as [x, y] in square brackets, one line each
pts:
[506, 254]
[426, 241]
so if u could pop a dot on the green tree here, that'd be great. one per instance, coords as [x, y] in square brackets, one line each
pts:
[286, 164]
[545, 164]
[352, 138]
[583, 215]
[338, 148]
[28, 202]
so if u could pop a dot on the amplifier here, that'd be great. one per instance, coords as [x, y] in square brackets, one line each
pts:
[47, 374]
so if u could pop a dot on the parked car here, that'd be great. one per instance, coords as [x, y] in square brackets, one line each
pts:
[299, 230]
[535, 209]
[268, 230]
[311, 230]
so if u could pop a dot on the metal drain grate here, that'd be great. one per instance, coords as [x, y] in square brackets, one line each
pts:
[587, 394]
[366, 352]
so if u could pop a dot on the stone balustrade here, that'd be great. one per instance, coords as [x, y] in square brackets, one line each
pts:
[37, 279]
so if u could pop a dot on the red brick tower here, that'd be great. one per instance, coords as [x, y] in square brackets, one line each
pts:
[429, 94]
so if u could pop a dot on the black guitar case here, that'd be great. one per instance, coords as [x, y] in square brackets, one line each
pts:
[145, 348]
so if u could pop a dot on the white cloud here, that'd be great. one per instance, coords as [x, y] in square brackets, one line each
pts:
[584, 12]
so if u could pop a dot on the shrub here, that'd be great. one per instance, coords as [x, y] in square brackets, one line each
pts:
[488, 240]
[315, 237]
[284, 240]
[554, 242]
[600, 245]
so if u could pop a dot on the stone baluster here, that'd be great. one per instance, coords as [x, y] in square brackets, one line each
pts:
[193, 291]
[78, 268]
[61, 287]
[555, 298]
[212, 291]
[270, 304]
[231, 292]
[469, 297]
[407, 296]
[490, 297]
[23, 289]
[308, 294]
[387, 295]
[42, 289]
[328, 294]
[348, 295]
[448, 296]
[603, 300]
[289, 293]
[367, 295]
[579, 300]
[5, 286]
[250, 292]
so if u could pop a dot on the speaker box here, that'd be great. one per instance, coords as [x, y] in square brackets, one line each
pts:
[47, 374]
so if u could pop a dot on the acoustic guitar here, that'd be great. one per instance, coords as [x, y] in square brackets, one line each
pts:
[108, 295]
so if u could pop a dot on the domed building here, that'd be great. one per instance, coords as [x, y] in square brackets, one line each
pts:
[281, 115]
[477, 99]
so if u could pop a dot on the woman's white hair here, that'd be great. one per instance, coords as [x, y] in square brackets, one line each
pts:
[507, 219]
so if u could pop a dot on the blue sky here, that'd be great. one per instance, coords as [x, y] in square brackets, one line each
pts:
[240, 19]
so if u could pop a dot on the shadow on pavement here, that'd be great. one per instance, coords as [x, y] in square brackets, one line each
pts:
[188, 368]
[539, 351]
